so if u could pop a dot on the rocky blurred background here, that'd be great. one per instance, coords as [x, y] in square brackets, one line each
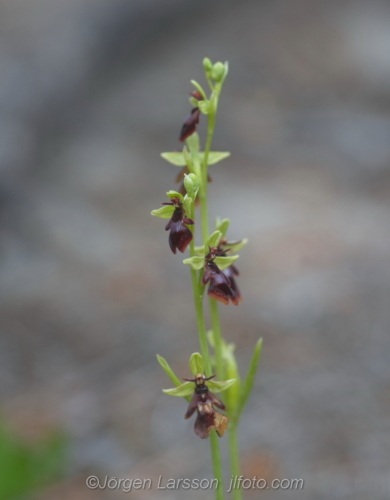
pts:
[90, 94]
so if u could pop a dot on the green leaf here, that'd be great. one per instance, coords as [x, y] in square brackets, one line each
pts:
[216, 156]
[196, 364]
[175, 158]
[220, 385]
[182, 390]
[204, 106]
[222, 225]
[199, 88]
[174, 194]
[196, 262]
[236, 246]
[214, 239]
[224, 262]
[164, 212]
[250, 378]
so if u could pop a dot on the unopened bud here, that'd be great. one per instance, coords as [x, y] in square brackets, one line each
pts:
[218, 71]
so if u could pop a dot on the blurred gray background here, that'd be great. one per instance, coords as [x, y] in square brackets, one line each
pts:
[90, 93]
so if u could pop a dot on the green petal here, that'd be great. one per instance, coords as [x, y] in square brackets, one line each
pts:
[236, 247]
[220, 385]
[196, 363]
[175, 158]
[181, 391]
[164, 212]
[224, 262]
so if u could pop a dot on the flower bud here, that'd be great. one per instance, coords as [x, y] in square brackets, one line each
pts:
[218, 71]
[207, 64]
[191, 183]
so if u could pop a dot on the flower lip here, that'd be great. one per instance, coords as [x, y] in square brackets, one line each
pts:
[203, 402]
[180, 235]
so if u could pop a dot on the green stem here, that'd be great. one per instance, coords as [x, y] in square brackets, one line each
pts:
[215, 322]
[198, 301]
[234, 457]
[216, 327]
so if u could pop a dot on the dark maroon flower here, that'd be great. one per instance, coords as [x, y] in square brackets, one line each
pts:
[189, 125]
[220, 287]
[203, 401]
[180, 236]
[231, 271]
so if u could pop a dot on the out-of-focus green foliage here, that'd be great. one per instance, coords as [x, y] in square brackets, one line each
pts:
[25, 468]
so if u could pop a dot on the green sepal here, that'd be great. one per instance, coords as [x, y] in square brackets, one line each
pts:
[175, 158]
[222, 225]
[250, 378]
[164, 212]
[179, 159]
[187, 204]
[199, 251]
[174, 194]
[204, 106]
[214, 239]
[196, 262]
[220, 385]
[216, 156]
[194, 102]
[199, 88]
[171, 374]
[196, 364]
[224, 262]
[236, 247]
[168, 370]
[191, 183]
[182, 391]
[193, 143]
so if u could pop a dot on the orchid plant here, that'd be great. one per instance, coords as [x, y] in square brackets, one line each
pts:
[212, 267]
